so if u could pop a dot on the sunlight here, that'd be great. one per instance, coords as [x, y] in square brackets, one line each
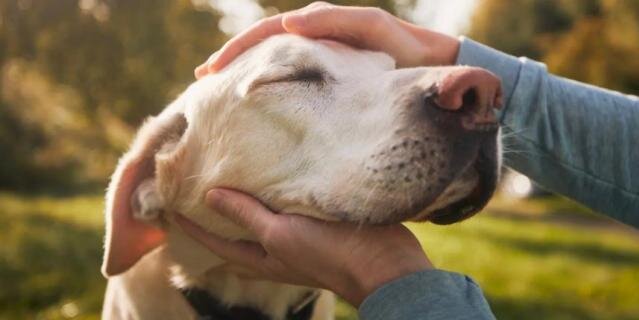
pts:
[238, 14]
[447, 16]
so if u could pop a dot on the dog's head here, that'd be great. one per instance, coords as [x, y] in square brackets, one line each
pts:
[314, 128]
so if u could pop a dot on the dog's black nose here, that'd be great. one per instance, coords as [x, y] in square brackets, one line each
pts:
[472, 93]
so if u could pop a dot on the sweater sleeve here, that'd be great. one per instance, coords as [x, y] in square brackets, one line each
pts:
[430, 294]
[571, 138]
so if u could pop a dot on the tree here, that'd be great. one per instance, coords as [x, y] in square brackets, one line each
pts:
[115, 61]
[594, 41]
[77, 76]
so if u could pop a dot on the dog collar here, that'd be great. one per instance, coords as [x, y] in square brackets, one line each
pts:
[209, 308]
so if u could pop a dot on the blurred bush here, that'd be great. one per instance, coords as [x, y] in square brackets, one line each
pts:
[594, 41]
[78, 76]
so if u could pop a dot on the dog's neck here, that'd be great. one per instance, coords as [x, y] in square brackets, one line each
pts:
[199, 268]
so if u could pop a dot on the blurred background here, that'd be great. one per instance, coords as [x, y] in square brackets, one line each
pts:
[78, 76]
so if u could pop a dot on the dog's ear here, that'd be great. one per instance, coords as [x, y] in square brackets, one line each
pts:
[127, 238]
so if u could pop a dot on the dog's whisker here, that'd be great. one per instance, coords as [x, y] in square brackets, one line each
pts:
[195, 176]
[511, 132]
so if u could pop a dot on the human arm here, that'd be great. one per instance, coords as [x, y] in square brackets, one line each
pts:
[430, 294]
[572, 138]
[464, 293]
[381, 269]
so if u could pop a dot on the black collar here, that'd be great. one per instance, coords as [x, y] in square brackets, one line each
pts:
[209, 308]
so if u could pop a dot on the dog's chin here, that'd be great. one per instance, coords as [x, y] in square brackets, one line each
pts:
[486, 166]
[443, 210]
[478, 184]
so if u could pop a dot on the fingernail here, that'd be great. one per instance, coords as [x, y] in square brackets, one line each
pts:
[296, 21]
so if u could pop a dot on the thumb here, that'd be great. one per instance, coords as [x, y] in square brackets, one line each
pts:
[242, 209]
[240, 252]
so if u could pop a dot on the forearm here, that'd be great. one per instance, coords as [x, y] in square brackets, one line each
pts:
[571, 138]
[431, 294]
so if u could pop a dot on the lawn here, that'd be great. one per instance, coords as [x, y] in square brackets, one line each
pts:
[541, 259]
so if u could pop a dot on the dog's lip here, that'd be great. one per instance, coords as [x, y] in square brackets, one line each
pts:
[476, 200]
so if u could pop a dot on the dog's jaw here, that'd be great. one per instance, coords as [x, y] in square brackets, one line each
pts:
[292, 175]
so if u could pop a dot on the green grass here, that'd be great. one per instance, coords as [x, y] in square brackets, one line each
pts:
[50, 251]
[541, 259]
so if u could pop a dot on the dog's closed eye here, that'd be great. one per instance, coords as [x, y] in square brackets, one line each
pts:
[308, 75]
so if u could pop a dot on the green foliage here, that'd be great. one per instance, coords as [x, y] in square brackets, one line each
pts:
[594, 41]
[538, 261]
[50, 257]
[78, 76]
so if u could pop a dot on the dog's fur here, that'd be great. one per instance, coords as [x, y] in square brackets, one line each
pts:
[308, 127]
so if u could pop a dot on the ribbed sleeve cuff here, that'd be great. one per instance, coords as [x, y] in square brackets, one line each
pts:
[430, 294]
[505, 66]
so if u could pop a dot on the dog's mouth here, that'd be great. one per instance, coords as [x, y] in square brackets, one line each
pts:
[488, 173]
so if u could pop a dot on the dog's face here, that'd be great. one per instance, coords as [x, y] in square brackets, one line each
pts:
[315, 128]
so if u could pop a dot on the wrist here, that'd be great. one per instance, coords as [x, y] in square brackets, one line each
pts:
[365, 280]
[438, 49]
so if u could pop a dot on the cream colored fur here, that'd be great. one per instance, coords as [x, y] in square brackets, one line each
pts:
[317, 148]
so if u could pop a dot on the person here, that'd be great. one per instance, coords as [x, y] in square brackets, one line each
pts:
[572, 138]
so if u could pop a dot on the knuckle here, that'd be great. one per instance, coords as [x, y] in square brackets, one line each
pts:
[378, 19]
[377, 12]
[323, 10]
[271, 235]
[317, 4]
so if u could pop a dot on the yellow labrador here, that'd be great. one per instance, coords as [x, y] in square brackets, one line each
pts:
[308, 127]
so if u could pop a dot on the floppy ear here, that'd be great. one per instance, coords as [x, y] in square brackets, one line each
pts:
[128, 239]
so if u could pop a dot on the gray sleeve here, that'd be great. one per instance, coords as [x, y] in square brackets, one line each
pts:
[571, 138]
[430, 294]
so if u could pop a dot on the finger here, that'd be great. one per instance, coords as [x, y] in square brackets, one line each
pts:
[244, 253]
[243, 210]
[245, 40]
[337, 22]
[203, 69]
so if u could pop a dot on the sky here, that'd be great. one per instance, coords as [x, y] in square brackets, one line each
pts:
[447, 16]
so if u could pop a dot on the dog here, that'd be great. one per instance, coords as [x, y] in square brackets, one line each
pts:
[310, 127]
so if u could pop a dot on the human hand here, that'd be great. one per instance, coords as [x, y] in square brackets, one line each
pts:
[351, 260]
[362, 27]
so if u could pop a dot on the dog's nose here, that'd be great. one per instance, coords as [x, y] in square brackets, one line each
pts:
[473, 93]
